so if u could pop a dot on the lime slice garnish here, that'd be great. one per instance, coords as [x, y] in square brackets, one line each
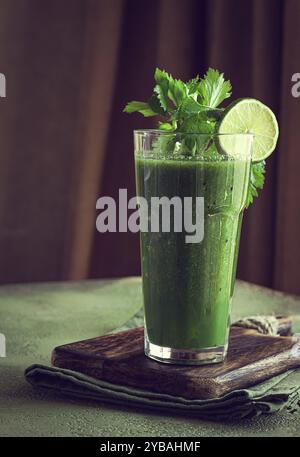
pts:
[248, 115]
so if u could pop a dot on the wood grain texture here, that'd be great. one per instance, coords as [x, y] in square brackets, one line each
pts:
[119, 358]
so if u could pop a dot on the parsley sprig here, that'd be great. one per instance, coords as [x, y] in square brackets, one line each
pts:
[193, 107]
[186, 107]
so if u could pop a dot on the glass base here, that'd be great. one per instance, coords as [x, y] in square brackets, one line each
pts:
[202, 356]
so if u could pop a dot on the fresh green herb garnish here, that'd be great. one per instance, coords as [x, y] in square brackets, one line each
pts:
[187, 107]
[192, 107]
[257, 180]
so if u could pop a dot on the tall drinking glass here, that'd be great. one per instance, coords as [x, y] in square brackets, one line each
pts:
[188, 285]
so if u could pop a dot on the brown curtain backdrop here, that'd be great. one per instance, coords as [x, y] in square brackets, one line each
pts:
[71, 66]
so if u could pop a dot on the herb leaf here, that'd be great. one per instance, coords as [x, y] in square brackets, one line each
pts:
[166, 126]
[189, 107]
[140, 107]
[213, 88]
[197, 123]
[193, 85]
[155, 105]
[169, 89]
[257, 180]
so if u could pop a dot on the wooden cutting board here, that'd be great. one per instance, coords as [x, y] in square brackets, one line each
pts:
[119, 358]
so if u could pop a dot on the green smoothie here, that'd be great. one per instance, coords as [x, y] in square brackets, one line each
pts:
[188, 286]
[200, 148]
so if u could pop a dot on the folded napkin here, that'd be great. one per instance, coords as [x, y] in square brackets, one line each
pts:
[280, 392]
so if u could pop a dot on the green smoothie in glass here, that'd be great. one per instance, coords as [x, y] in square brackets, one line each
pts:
[201, 151]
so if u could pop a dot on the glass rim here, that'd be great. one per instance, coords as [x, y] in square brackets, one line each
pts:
[166, 132]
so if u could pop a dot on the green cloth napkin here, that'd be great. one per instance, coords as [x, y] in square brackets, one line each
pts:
[267, 397]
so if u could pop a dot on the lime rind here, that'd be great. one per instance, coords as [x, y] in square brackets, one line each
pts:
[249, 115]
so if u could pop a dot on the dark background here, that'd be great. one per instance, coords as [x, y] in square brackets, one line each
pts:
[70, 67]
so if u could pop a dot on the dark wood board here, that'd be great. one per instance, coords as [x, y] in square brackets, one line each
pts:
[119, 358]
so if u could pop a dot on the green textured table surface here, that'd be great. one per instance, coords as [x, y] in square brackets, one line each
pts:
[37, 317]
